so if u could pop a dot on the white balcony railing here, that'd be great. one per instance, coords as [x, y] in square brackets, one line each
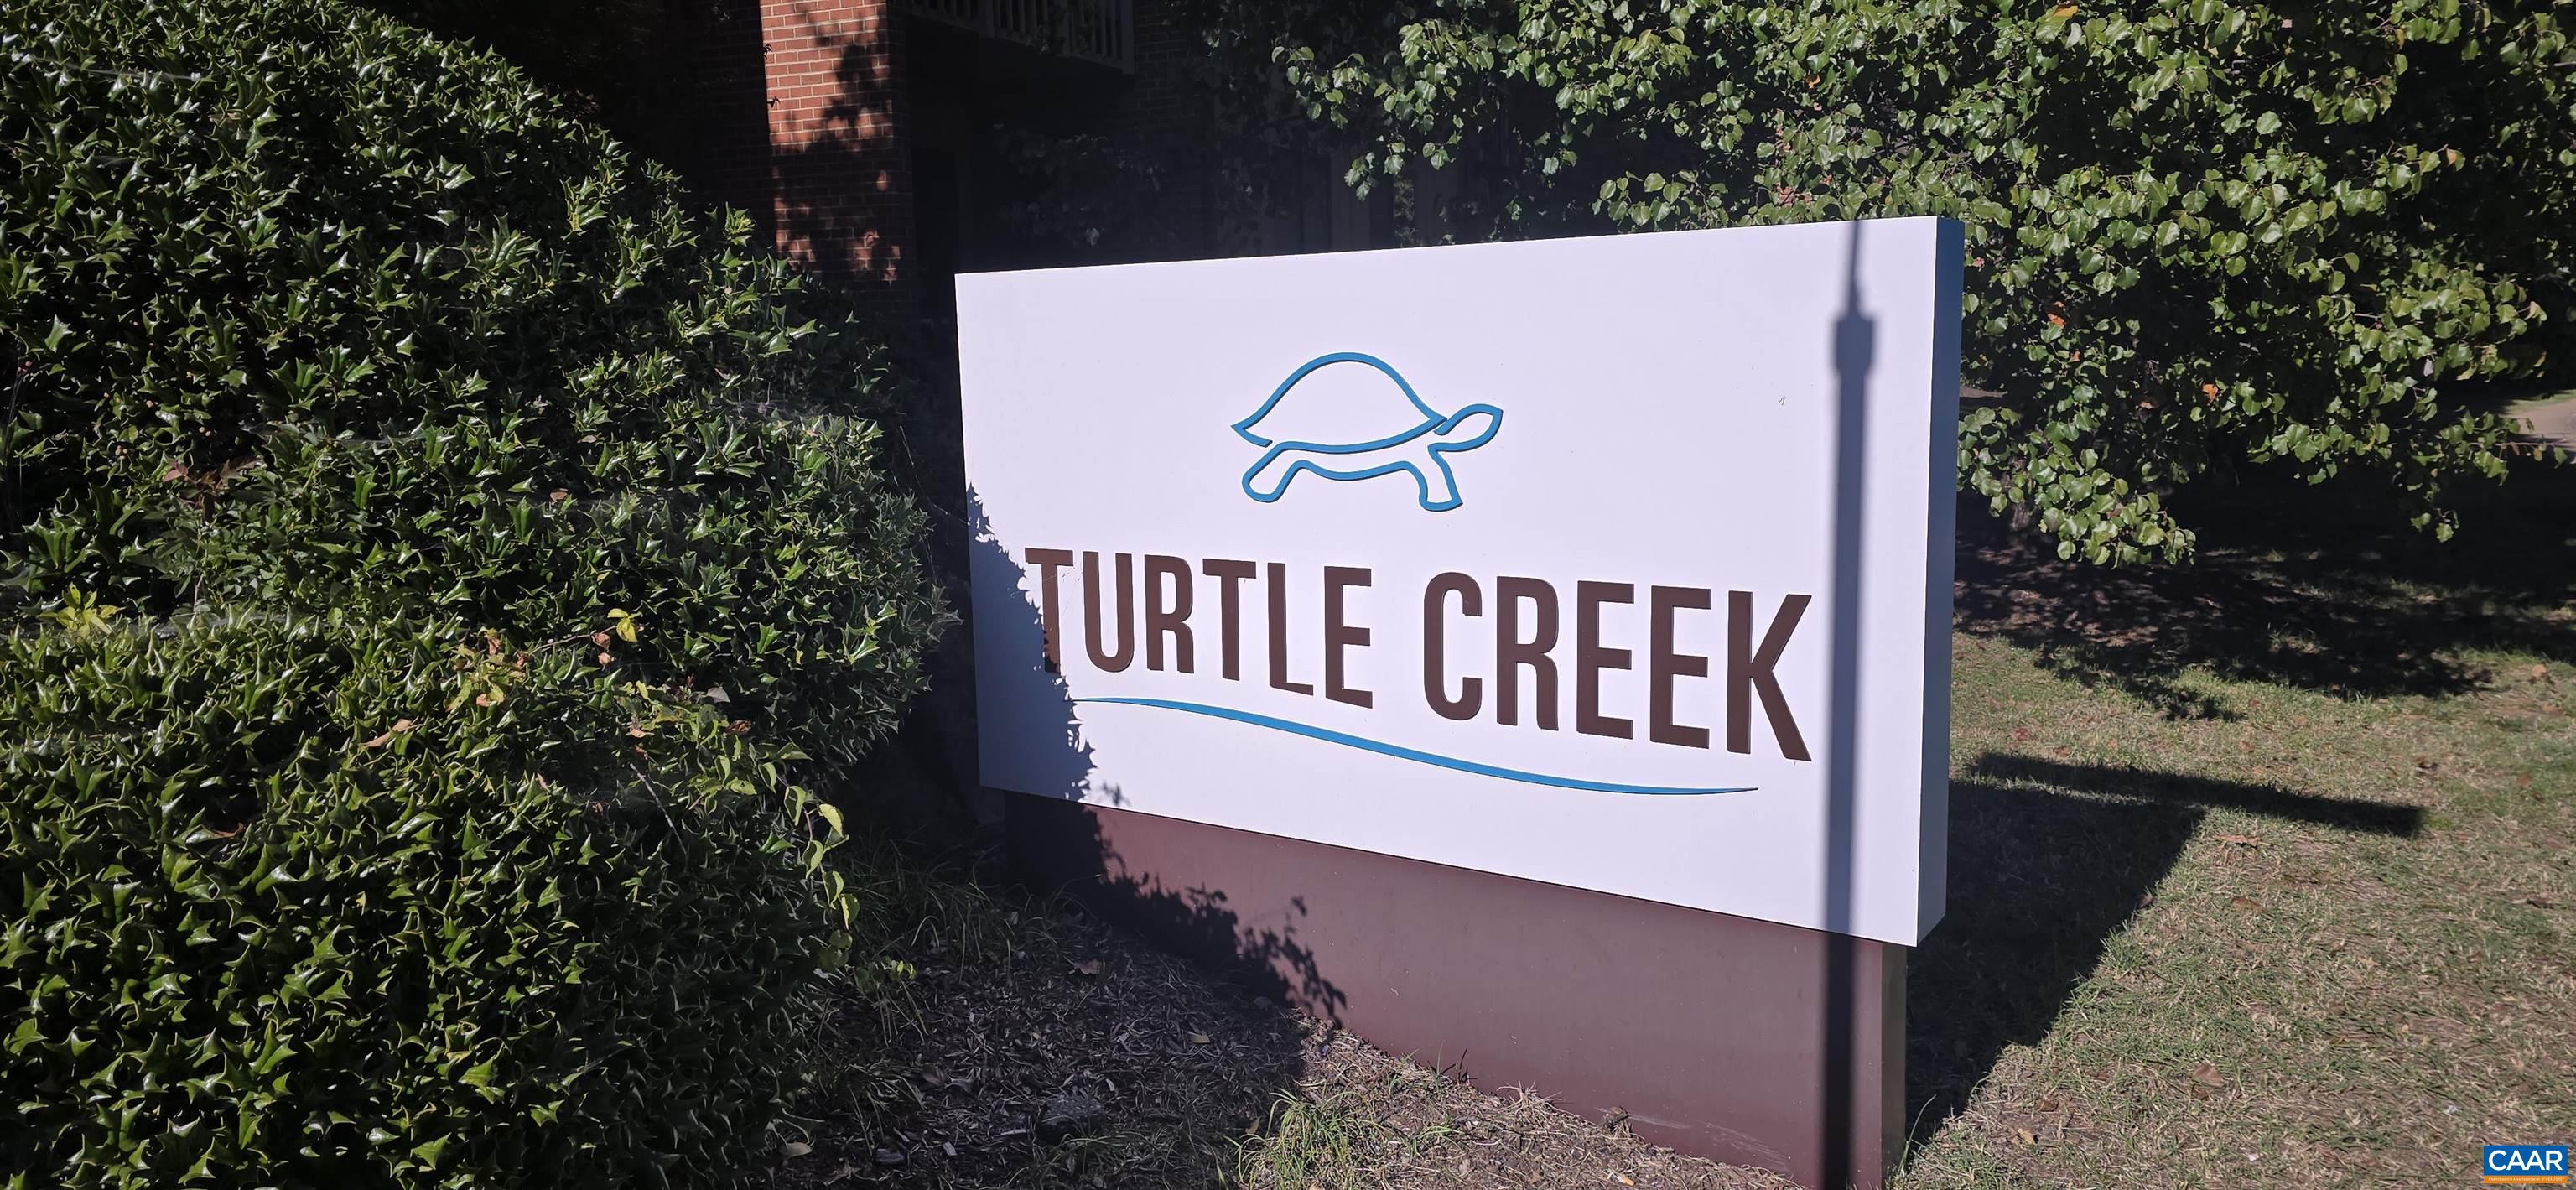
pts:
[1102, 31]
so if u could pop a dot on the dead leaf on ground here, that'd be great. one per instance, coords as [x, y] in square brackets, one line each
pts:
[2248, 904]
[1090, 967]
[794, 1148]
[2207, 1075]
[1201, 1039]
[2024, 1136]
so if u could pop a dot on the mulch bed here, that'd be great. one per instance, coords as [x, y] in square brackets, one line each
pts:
[1058, 1052]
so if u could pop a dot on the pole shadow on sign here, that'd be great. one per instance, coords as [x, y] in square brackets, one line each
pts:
[1066, 847]
[1840, 1085]
[2046, 859]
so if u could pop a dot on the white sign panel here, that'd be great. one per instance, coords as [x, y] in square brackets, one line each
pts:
[1620, 563]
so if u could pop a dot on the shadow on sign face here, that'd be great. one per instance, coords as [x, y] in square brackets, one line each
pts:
[1068, 847]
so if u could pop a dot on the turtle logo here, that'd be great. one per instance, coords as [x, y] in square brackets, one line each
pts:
[1417, 444]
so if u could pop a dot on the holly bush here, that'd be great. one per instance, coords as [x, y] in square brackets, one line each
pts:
[304, 901]
[2199, 231]
[437, 557]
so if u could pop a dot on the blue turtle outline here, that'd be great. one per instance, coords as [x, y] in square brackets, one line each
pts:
[1433, 423]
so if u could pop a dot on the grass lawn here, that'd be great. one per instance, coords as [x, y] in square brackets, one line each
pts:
[2311, 941]
[2263, 871]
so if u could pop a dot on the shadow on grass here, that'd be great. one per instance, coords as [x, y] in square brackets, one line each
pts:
[2317, 587]
[2047, 861]
[1034, 1046]
[2197, 793]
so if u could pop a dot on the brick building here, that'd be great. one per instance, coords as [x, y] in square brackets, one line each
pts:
[891, 144]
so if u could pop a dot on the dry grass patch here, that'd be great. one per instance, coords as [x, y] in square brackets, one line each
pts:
[2246, 908]
[1361, 1118]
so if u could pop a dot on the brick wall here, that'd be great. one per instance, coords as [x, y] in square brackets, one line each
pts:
[1170, 103]
[725, 146]
[810, 113]
[802, 125]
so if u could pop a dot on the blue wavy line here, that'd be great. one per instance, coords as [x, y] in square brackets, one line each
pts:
[1403, 753]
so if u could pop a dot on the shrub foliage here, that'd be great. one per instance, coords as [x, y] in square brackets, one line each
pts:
[314, 904]
[438, 557]
[2199, 230]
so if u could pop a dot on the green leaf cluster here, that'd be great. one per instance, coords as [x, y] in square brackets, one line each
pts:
[312, 901]
[2199, 231]
[437, 558]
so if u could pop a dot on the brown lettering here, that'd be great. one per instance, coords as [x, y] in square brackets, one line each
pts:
[1748, 674]
[1229, 613]
[1108, 662]
[1170, 619]
[1590, 658]
[1435, 646]
[1048, 563]
[1278, 585]
[1511, 652]
[1663, 665]
[1339, 635]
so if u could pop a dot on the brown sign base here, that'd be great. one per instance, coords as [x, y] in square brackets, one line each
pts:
[1741, 1040]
